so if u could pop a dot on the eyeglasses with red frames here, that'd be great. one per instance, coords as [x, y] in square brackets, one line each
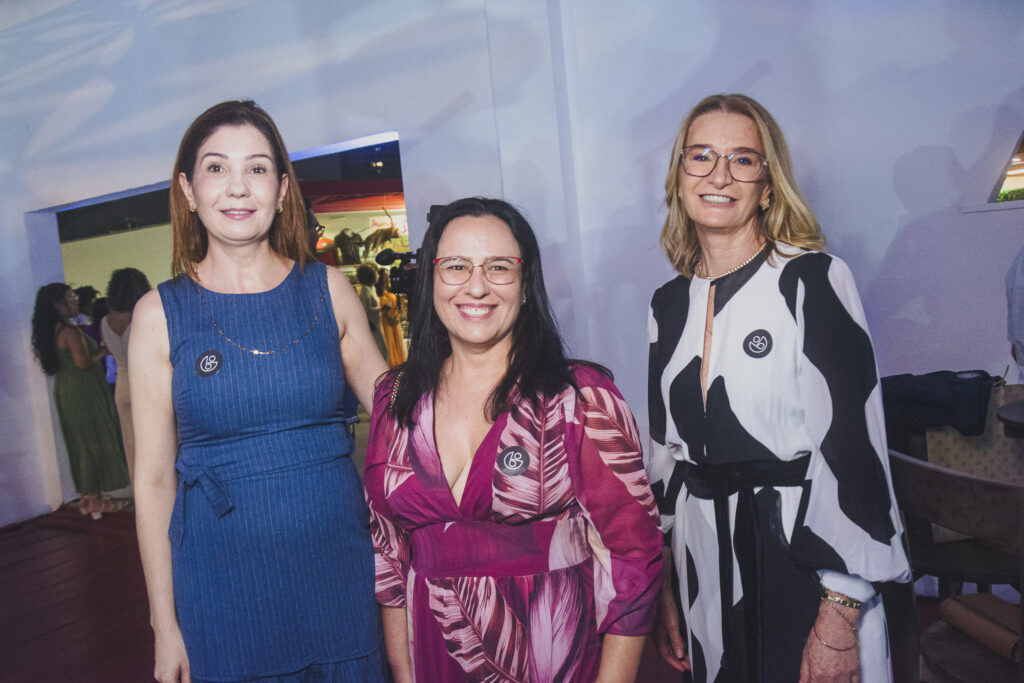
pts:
[499, 270]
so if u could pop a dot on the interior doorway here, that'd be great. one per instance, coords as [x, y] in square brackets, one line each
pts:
[354, 188]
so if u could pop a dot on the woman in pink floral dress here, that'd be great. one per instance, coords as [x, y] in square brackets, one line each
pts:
[515, 533]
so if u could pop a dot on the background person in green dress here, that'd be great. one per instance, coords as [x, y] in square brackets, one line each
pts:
[87, 414]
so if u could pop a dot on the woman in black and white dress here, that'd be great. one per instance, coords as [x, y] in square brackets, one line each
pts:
[769, 454]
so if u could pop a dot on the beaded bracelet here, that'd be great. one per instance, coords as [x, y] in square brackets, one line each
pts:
[844, 600]
[814, 629]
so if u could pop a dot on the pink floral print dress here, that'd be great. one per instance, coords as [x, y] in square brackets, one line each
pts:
[554, 543]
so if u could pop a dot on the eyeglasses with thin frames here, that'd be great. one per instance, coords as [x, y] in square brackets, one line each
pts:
[744, 166]
[499, 270]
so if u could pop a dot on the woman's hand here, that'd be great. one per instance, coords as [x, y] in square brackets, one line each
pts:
[822, 663]
[668, 640]
[171, 659]
[666, 636]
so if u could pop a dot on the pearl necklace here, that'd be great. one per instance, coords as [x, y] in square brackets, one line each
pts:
[699, 271]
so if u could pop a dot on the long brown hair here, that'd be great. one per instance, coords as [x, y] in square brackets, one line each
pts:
[288, 233]
[788, 219]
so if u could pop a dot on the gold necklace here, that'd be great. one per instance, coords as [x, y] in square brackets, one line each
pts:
[258, 352]
[699, 271]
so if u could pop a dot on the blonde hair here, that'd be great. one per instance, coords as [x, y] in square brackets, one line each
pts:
[788, 219]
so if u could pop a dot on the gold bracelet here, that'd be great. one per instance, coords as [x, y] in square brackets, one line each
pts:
[844, 600]
[842, 616]
[814, 630]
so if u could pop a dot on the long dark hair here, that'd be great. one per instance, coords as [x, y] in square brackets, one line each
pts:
[537, 362]
[45, 319]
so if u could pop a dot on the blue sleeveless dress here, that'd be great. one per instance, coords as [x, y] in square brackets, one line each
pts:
[271, 553]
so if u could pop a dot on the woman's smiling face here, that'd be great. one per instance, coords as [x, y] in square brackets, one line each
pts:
[235, 186]
[478, 314]
[717, 202]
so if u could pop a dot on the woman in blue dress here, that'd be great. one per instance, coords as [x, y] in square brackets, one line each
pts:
[251, 518]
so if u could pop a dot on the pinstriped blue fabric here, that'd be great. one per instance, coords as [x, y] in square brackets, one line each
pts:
[272, 560]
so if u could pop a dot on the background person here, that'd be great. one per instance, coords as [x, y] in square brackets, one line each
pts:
[254, 539]
[126, 287]
[514, 528]
[86, 298]
[100, 309]
[1015, 312]
[86, 410]
[367, 276]
[390, 319]
[769, 460]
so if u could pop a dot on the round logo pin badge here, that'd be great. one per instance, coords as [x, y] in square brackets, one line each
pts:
[757, 344]
[513, 460]
[209, 363]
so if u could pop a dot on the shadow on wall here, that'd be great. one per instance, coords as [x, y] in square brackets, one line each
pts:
[941, 280]
[917, 281]
[938, 299]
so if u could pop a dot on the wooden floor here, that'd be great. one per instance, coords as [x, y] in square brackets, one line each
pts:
[73, 604]
[72, 601]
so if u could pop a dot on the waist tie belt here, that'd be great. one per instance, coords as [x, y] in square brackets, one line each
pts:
[188, 477]
[212, 486]
[717, 483]
[497, 549]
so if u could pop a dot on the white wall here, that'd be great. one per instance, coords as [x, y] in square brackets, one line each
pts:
[896, 118]
[896, 114]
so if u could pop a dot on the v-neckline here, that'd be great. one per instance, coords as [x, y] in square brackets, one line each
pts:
[473, 463]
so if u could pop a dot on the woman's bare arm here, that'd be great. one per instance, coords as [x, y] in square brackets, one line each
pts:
[155, 479]
[359, 354]
[396, 641]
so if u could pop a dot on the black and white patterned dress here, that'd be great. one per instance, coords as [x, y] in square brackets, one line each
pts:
[786, 457]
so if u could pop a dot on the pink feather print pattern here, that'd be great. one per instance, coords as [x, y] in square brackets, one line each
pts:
[559, 619]
[544, 488]
[421, 438]
[569, 543]
[391, 558]
[398, 467]
[480, 629]
[609, 424]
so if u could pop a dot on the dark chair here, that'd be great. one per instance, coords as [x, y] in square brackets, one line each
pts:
[992, 514]
[901, 621]
[989, 455]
